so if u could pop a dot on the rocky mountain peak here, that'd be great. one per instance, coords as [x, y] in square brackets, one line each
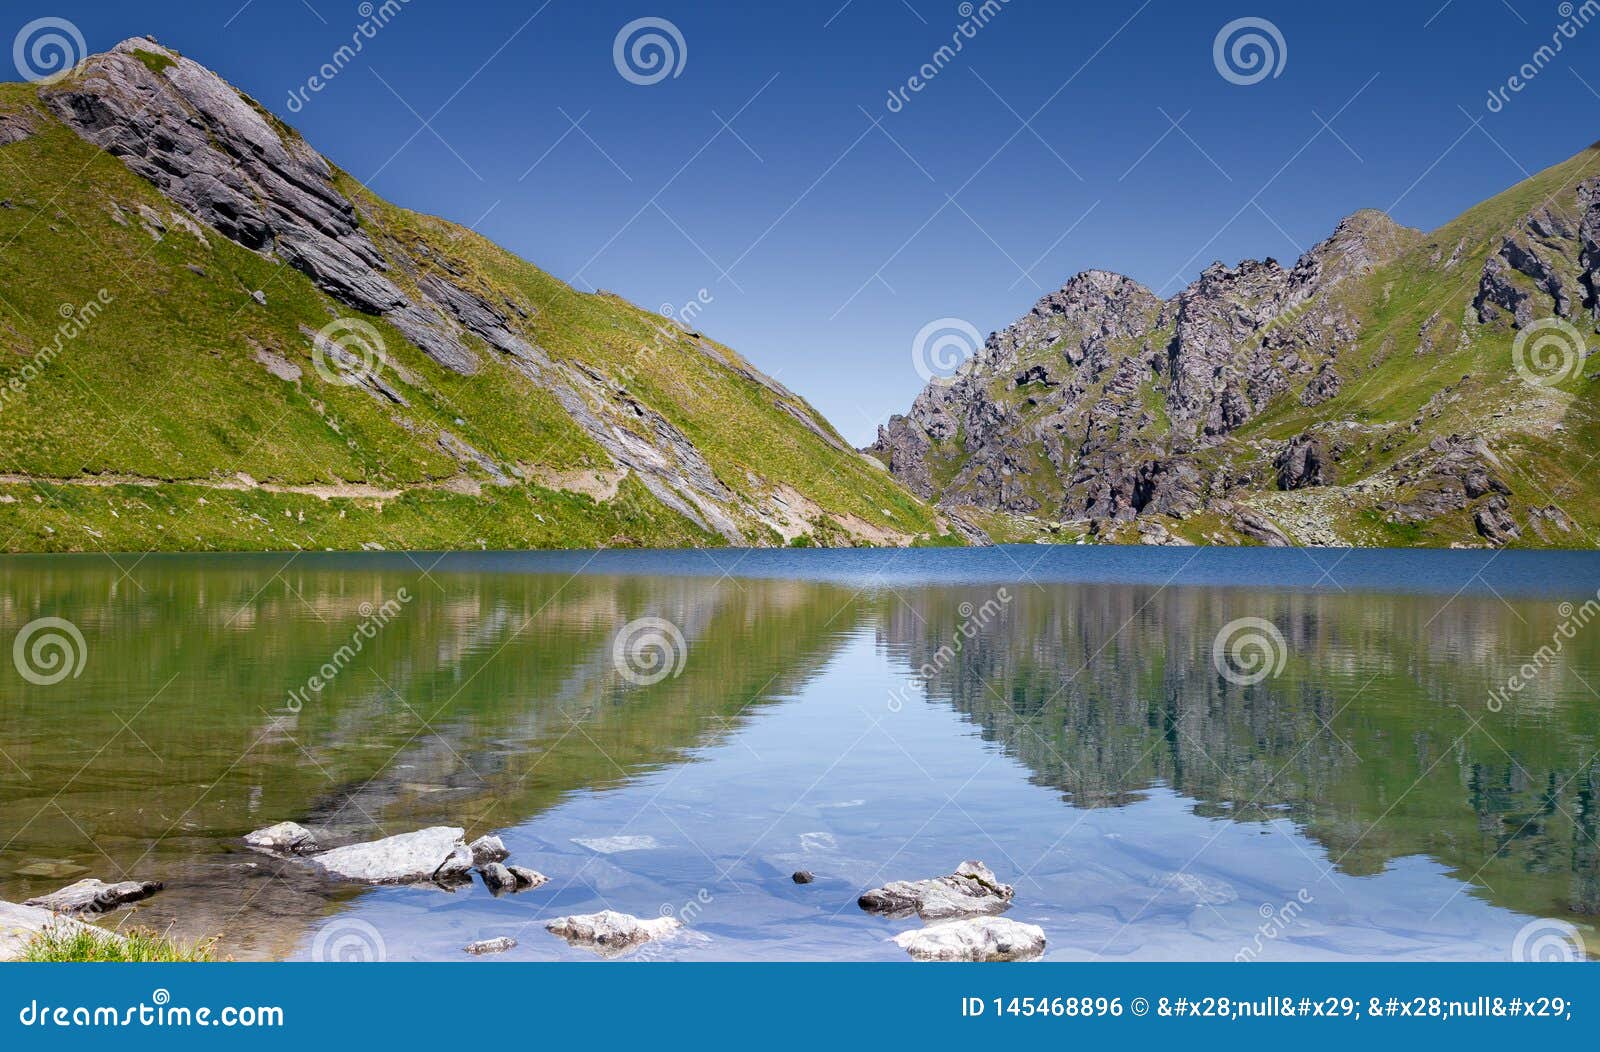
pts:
[213, 151]
[1117, 303]
[1362, 242]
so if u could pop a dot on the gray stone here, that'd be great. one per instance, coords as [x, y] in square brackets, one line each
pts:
[20, 924]
[1304, 462]
[428, 854]
[972, 888]
[526, 878]
[488, 946]
[92, 895]
[497, 878]
[285, 838]
[488, 848]
[1495, 522]
[977, 939]
[804, 876]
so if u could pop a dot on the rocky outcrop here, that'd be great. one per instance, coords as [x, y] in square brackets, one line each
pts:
[436, 854]
[95, 896]
[1304, 462]
[1100, 402]
[609, 933]
[972, 888]
[979, 939]
[1543, 255]
[485, 947]
[1495, 522]
[15, 127]
[212, 151]
[1259, 528]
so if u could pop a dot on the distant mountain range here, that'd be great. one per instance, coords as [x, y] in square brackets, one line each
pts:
[1391, 388]
[214, 338]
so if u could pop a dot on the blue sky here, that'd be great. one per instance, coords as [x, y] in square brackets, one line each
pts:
[828, 227]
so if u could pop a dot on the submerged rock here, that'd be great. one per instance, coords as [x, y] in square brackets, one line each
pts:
[1202, 891]
[978, 939]
[972, 888]
[488, 848]
[286, 838]
[527, 878]
[437, 853]
[610, 932]
[92, 895]
[488, 946]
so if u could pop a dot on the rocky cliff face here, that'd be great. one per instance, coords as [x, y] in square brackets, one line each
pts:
[495, 382]
[1316, 404]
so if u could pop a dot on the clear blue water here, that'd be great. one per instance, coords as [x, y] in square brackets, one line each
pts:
[1058, 713]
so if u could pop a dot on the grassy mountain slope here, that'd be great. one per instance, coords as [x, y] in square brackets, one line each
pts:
[159, 387]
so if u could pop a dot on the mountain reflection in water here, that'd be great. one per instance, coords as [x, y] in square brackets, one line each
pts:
[1079, 737]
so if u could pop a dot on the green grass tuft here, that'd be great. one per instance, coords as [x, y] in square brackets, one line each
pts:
[64, 943]
[154, 61]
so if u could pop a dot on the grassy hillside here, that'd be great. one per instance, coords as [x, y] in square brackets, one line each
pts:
[159, 390]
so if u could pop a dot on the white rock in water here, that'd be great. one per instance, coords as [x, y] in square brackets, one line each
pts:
[487, 849]
[486, 946]
[610, 932]
[287, 838]
[92, 895]
[978, 939]
[427, 854]
[457, 868]
[972, 888]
